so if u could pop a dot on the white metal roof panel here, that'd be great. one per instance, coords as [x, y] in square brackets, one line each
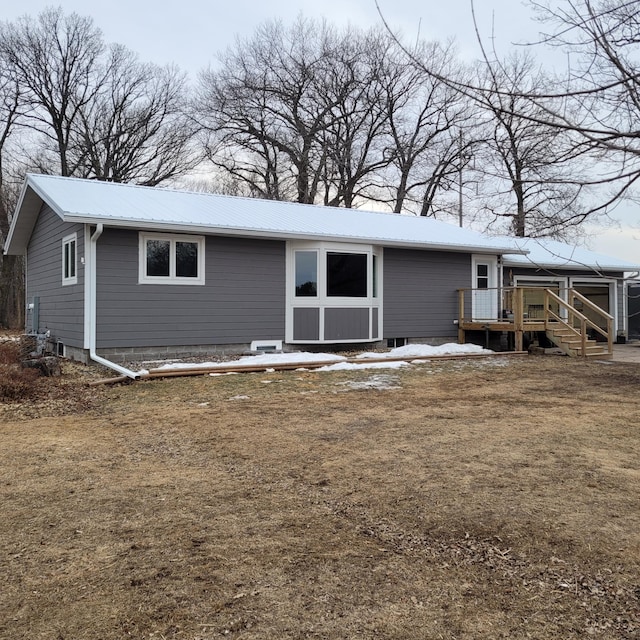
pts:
[78, 200]
[551, 254]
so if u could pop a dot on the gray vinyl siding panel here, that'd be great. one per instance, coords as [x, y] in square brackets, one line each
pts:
[61, 308]
[243, 298]
[306, 323]
[420, 292]
[346, 324]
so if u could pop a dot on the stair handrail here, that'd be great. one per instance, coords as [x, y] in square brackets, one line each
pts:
[608, 334]
[577, 315]
[571, 312]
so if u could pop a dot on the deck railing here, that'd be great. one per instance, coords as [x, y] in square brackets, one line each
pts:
[522, 309]
[578, 321]
[505, 304]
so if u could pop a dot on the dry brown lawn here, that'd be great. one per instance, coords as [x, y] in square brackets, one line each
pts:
[466, 499]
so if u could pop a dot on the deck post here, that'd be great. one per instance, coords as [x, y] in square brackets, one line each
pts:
[518, 318]
[460, 316]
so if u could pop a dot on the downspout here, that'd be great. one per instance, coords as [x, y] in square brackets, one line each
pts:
[93, 241]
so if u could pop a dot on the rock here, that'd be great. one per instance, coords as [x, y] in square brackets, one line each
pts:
[47, 366]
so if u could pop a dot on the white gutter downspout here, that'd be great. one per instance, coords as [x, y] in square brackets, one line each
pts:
[93, 309]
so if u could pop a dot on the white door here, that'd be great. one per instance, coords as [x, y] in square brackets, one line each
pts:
[485, 288]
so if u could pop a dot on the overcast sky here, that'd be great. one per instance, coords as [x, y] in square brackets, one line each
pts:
[189, 33]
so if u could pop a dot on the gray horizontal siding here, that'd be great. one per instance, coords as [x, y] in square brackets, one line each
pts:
[420, 292]
[346, 324]
[61, 307]
[306, 323]
[243, 298]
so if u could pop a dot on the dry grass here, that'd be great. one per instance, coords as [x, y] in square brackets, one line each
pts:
[465, 500]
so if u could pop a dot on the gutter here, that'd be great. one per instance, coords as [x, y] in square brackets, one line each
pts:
[93, 241]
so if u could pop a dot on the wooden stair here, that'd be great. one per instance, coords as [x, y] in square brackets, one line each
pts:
[569, 340]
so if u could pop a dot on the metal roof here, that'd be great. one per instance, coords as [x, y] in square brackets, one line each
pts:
[123, 205]
[551, 254]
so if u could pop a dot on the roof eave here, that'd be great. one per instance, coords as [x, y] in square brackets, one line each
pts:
[577, 266]
[29, 204]
[279, 235]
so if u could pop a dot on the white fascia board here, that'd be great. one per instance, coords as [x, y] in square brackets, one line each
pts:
[14, 221]
[149, 225]
[27, 187]
[42, 194]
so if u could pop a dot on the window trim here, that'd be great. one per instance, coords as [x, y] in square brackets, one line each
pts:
[68, 241]
[316, 253]
[322, 302]
[322, 249]
[172, 238]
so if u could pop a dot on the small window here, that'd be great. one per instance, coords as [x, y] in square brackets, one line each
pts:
[375, 275]
[482, 276]
[171, 259]
[70, 259]
[306, 274]
[347, 275]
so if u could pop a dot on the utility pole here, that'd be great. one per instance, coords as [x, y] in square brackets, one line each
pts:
[460, 179]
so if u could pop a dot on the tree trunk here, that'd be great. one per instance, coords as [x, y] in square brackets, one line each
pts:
[12, 292]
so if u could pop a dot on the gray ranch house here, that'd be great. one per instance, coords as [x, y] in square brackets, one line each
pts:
[117, 272]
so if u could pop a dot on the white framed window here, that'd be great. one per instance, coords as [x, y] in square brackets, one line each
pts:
[335, 272]
[171, 259]
[70, 259]
[306, 273]
[333, 289]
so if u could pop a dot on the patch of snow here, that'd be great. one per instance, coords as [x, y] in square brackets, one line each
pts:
[169, 360]
[264, 359]
[239, 398]
[334, 361]
[380, 381]
[356, 366]
[426, 350]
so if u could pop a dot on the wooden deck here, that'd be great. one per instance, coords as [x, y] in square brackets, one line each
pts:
[584, 332]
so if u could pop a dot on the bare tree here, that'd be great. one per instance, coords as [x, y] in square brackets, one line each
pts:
[530, 167]
[424, 119]
[355, 138]
[528, 162]
[266, 106]
[55, 58]
[135, 127]
[11, 267]
[603, 81]
[310, 114]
